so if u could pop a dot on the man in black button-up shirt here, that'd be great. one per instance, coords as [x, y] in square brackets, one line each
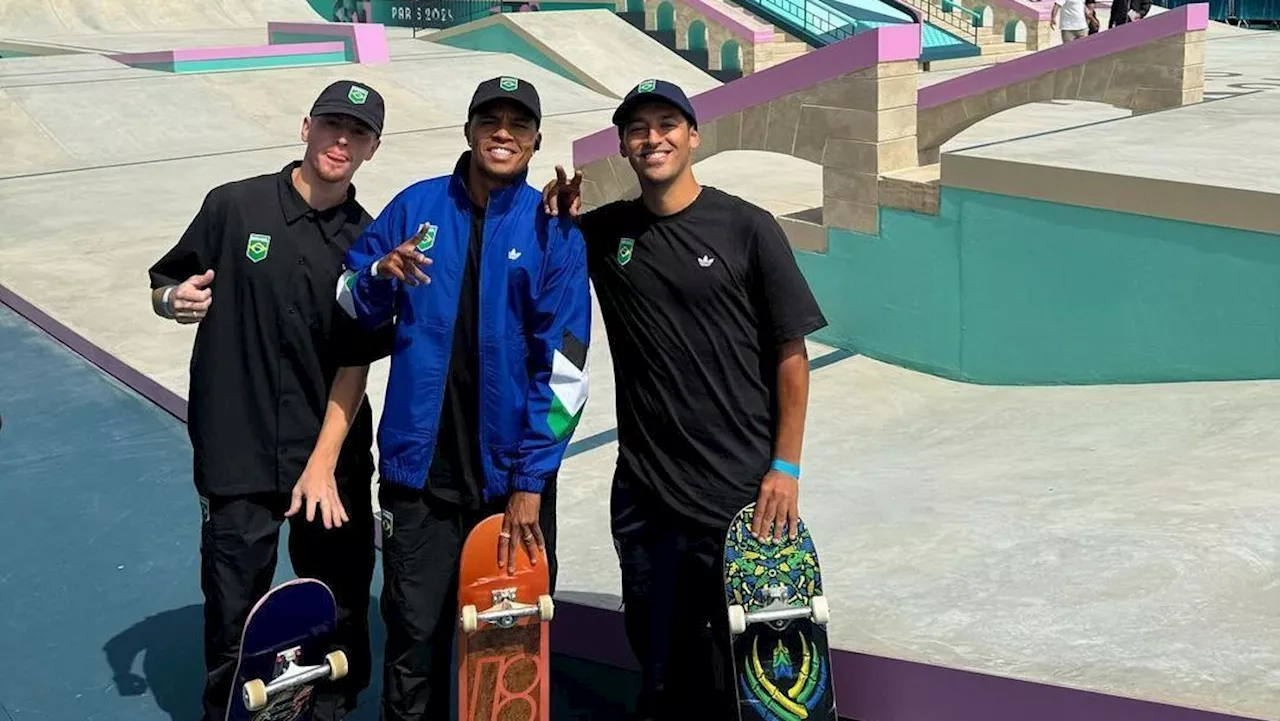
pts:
[257, 269]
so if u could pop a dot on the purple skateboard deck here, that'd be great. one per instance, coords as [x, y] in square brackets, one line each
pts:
[285, 652]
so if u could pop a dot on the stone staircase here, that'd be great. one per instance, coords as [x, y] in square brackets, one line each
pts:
[953, 18]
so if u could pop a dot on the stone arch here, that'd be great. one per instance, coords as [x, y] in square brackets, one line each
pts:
[1015, 31]
[945, 109]
[984, 16]
[666, 16]
[697, 38]
[731, 55]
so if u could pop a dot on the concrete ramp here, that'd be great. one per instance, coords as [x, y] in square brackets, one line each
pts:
[58, 18]
[595, 48]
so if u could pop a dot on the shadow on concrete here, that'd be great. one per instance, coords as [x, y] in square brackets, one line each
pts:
[172, 667]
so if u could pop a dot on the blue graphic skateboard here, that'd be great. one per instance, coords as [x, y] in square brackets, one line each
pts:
[284, 653]
[777, 624]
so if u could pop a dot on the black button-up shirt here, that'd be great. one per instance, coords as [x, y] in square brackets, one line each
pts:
[267, 350]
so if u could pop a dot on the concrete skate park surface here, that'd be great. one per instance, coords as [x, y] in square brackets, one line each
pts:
[1119, 539]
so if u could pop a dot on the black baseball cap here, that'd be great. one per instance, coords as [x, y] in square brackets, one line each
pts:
[507, 88]
[347, 97]
[655, 90]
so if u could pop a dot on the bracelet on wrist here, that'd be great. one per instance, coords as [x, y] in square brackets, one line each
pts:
[782, 466]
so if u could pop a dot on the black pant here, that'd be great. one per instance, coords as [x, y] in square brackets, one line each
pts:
[238, 546]
[420, 594]
[674, 609]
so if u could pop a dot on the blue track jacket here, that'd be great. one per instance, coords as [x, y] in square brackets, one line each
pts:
[534, 328]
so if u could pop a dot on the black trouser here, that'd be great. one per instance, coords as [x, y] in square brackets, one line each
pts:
[238, 562]
[674, 609]
[420, 594]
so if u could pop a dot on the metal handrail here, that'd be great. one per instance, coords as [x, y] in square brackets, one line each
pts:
[941, 16]
[822, 24]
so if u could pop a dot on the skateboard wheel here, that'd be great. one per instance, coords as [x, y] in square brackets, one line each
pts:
[470, 619]
[821, 611]
[337, 665]
[546, 608]
[737, 619]
[255, 695]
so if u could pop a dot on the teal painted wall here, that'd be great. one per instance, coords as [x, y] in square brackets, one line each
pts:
[1006, 290]
[499, 39]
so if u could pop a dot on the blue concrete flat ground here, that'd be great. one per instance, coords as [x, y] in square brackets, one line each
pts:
[99, 549]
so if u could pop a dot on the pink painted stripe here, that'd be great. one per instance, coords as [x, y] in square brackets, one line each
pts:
[368, 39]
[1118, 39]
[718, 12]
[228, 53]
[885, 44]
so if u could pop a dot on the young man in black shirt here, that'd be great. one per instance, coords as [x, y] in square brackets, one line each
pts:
[706, 313]
[256, 269]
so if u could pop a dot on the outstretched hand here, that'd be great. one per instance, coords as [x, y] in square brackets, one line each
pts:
[317, 489]
[563, 193]
[405, 263]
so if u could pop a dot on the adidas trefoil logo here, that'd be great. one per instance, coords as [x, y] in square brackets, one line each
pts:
[706, 261]
[513, 254]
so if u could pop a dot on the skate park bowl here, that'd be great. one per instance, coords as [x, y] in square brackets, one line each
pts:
[1033, 494]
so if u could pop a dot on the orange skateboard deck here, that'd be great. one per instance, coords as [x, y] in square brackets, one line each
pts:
[503, 646]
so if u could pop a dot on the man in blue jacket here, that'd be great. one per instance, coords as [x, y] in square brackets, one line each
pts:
[492, 313]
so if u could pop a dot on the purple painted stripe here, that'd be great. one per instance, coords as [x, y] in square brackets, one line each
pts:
[886, 689]
[884, 44]
[1118, 39]
[188, 55]
[113, 366]
[718, 12]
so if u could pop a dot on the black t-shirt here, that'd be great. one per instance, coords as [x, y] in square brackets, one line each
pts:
[266, 353]
[456, 469]
[696, 306]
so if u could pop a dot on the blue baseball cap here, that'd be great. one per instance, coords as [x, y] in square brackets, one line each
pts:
[659, 91]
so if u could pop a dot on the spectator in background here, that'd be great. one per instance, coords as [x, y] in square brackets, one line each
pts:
[1123, 11]
[1072, 14]
[1091, 16]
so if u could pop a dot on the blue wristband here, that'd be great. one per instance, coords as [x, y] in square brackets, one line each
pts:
[788, 468]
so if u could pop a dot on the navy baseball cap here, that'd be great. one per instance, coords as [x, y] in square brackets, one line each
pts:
[659, 91]
[347, 97]
[516, 90]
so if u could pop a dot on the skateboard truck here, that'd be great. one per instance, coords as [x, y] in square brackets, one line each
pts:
[778, 610]
[291, 675]
[505, 610]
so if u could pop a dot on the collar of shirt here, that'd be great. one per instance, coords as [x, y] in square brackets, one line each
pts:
[295, 207]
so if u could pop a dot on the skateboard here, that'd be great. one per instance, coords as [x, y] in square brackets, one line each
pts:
[777, 626]
[504, 649]
[284, 654]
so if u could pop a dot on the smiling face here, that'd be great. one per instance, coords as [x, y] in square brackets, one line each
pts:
[337, 145]
[658, 142]
[503, 137]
